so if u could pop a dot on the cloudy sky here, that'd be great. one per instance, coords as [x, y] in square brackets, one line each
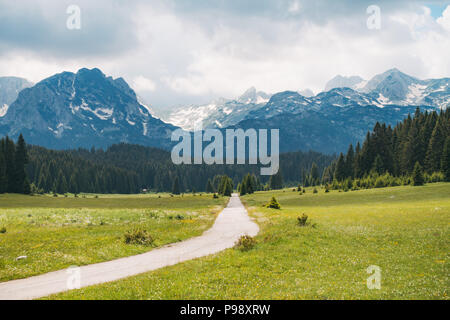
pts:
[176, 52]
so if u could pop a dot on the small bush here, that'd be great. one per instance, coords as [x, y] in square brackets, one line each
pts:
[3, 230]
[303, 221]
[179, 217]
[315, 191]
[245, 243]
[215, 196]
[273, 204]
[139, 237]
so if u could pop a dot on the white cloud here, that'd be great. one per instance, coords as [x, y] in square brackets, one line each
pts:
[295, 6]
[142, 83]
[444, 21]
[181, 56]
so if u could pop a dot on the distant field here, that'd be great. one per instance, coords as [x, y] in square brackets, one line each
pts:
[403, 230]
[55, 233]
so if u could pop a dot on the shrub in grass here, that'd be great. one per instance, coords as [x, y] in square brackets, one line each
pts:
[273, 204]
[179, 217]
[215, 196]
[139, 237]
[315, 191]
[327, 188]
[417, 176]
[3, 230]
[303, 221]
[245, 243]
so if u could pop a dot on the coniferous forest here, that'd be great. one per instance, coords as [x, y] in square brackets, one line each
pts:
[126, 168]
[413, 152]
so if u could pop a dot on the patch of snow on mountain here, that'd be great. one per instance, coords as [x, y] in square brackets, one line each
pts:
[190, 117]
[3, 110]
[144, 124]
[416, 92]
[383, 100]
[101, 113]
[227, 111]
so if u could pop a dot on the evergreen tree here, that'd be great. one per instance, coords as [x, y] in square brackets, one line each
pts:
[445, 160]
[209, 187]
[26, 186]
[20, 160]
[315, 176]
[436, 147]
[61, 184]
[418, 179]
[10, 152]
[3, 178]
[276, 181]
[176, 186]
[378, 165]
[349, 162]
[341, 170]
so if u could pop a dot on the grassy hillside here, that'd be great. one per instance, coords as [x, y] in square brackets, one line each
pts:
[55, 233]
[403, 230]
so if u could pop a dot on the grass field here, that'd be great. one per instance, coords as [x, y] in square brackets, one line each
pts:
[403, 230]
[55, 233]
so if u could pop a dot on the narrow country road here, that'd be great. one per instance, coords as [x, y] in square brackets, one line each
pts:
[231, 223]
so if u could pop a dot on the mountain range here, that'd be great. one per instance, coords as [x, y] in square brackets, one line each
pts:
[87, 108]
[83, 109]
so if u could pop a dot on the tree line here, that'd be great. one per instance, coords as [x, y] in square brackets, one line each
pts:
[419, 145]
[127, 169]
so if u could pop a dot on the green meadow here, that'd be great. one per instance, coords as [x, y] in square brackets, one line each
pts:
[57, 232]
[402, 230]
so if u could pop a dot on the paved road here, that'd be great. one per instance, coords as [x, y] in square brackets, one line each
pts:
[231, 223]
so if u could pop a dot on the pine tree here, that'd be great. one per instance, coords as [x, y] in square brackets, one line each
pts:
[341, 170]
[418, 179]
[228, 187]
[209, 187]
[445, 160]
[26, 186]
[10, 152]
[315, 176]
[349, 162]
[73, 187]
[61, 184]
[378, 165]
[3, 178]
[20, 159]
[276, 181]
[243, 187]
[436, 147]
[176, 186]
